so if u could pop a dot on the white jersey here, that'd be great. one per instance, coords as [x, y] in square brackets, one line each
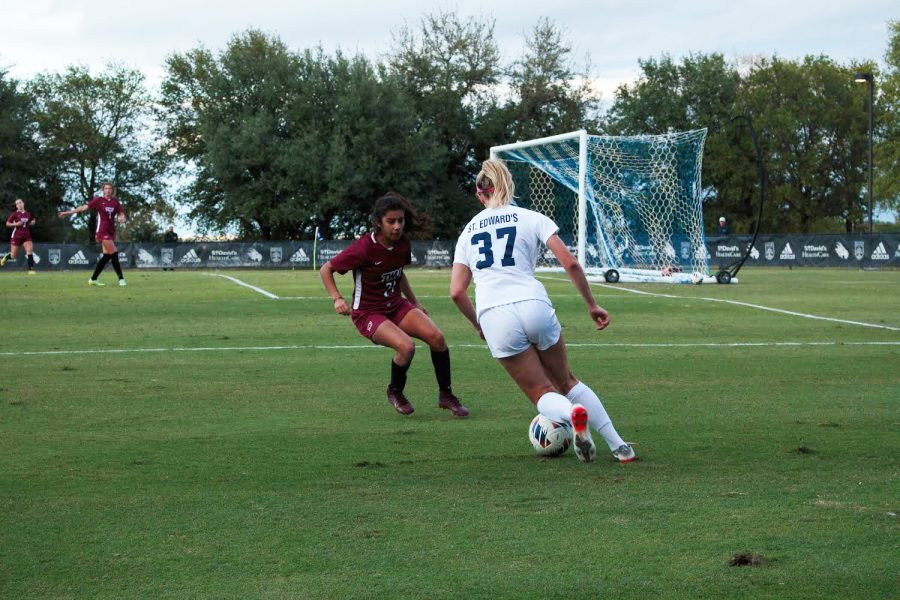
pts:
[501, 247]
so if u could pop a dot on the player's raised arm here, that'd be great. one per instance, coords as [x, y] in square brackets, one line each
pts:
[79, 209]
[327, 274]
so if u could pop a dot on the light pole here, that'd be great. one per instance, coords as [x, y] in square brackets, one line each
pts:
[870, 80]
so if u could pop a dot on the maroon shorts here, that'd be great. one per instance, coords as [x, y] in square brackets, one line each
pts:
[368, 322]
[20, 239]
[104, 236]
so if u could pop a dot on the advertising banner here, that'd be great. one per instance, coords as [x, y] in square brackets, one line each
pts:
[826, 250]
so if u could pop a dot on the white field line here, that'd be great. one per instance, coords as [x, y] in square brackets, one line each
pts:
[458, 346]
[246, 285]
[738, 303]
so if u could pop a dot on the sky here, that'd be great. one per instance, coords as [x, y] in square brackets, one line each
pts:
[46, 35]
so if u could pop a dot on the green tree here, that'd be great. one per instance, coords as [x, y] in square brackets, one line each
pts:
[448, 70]
[97, 128]
[280, 143]
[549, 95]
[887, 119]
[813, 143]
[21, 165]
[699, 92]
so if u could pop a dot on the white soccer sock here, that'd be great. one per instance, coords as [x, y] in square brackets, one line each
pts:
[585, 396]
[555, 407]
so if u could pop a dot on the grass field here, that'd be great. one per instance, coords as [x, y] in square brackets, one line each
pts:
[237, 446]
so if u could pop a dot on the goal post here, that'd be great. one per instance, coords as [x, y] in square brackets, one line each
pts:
[628, 207]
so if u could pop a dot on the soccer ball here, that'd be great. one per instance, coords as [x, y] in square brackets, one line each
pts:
[549, 438]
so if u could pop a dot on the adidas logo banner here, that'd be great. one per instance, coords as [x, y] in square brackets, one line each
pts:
[824, 250]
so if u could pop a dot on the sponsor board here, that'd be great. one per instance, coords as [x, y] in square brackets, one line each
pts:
[841, 251]
[275, 254]
[145, 259]
[300, 256]
[754, 253]
[190, 258]
[770, 250]
[787, 253]
[859, 249]
[167, 256]
[814, 251]
[880, 252]
[78, 259]
[55, 256]
[728, 251]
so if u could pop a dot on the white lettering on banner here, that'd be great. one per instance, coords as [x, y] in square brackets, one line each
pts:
[787, 253]
[254, 255]
[299, 256]
[78, 259]
[896, 254]
[224, 256]
[437, 254]
[723, 251]
[190, 257]
[328, 253]
[880, 253]
[811, 251]
[754, 253]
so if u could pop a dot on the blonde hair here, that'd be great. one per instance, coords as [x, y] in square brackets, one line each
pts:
[494, 174]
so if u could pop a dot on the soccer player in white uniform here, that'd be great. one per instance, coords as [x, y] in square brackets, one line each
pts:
[498, 249]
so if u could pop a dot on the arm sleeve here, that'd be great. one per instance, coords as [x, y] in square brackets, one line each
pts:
[546, 227]
[352, 257]
[459, 254]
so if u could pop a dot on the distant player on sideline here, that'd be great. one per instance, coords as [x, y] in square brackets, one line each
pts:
[498, 249]
[379, 311]
[20, 221]
[107, 207]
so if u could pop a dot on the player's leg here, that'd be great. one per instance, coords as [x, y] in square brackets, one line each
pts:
[109, 248]
[527, 371]
[11, 255]
[388, 334]
[419, 325]
[555, 362]
[29, 255]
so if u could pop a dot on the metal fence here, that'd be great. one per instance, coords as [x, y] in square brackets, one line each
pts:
[851, 250]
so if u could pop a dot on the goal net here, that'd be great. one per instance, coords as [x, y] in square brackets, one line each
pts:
[628, 207]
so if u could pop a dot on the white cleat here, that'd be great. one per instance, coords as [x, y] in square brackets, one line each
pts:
[122, 283]
[624, 453]
[585, 449]
[95, 282]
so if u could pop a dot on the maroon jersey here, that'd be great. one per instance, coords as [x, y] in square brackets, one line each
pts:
[21, 218]
[376, 272]
[106, 214]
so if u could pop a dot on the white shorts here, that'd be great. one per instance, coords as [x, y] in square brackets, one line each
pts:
[510, 328]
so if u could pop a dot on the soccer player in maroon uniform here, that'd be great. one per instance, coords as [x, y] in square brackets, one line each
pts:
[107, 207]
[384, 308]
[20, 222]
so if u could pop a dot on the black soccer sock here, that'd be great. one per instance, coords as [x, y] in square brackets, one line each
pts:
[30, 258]
[441, 362]
[114, 257]
[100, 264]
[398, 376]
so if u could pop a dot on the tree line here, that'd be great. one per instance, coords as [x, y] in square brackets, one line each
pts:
[272, 143]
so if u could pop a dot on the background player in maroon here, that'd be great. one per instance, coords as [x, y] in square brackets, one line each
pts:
[20, 221]
[107, 208]
[384, 307]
